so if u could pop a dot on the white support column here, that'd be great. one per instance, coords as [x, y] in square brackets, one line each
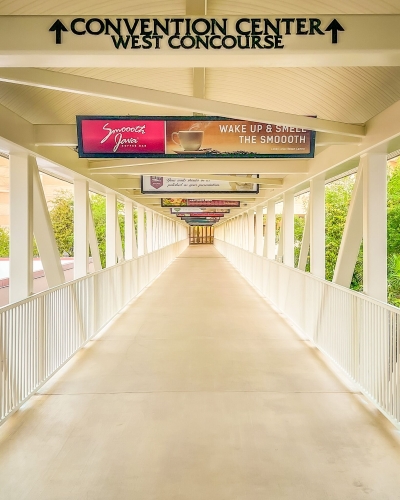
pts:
[21, 227]
[140, 230]
[149, 230]
[288, 229]
[250, 225]
[375, 226]
[93, 243]
[305, 242]
[317, 227]
[81, 228]
[259, 230]
[44, 233]
[352, 235]
[111, 229]
[130, 233]
[269, 240]
[119, 248]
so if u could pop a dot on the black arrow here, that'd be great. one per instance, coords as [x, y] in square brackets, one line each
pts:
[335, 27]
[58, 27]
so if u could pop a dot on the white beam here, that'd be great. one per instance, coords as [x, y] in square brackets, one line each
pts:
[288, 229]
[352, 235]
[317, 227]
[180, 168]
[356, 47]
[269, 241]
[21, 227]
[129, 230]
[305, 242]
[81, 228]
[149, 230]
[135, 183]
[115, 91]
[93, 243]
[111, 229]
[375, 226]
[140, 230]
[259, 231]
[44, 234]
[250, 220]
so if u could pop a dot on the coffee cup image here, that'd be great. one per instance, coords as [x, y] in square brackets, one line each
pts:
[189, 140]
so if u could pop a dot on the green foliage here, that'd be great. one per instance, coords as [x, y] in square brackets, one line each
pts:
[337, 201]
[98, 204]
[394, 279]
[62, 219]
[4, 242]
[299, 223]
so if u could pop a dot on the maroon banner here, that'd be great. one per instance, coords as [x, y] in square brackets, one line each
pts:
[109, 137]
[189, 137]
[185, 202]
[200, 214]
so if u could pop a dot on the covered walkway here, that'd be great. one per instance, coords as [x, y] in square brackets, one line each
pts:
[198, 390]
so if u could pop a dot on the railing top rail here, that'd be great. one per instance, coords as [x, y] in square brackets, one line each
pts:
[75, 281]
[358, 295]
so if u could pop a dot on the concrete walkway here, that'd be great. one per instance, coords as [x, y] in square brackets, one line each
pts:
[198, 391]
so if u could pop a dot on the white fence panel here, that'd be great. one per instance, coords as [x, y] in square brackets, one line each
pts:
[360, 334]
[39, 334]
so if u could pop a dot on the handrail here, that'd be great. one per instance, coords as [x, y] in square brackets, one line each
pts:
[359, 333]
[40, 334]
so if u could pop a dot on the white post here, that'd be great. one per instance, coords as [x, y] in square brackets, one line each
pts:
[81, 228]
[130, 233]
[288, 229]
[375, 226]
[140, 230]
[259, 230]
[149, 230]
[352, 235]
[305, 242]
[21, 227]
[93, 243]
[44, 233]
[317, 227]
[250, 220]
[111, 229]
[269, 241]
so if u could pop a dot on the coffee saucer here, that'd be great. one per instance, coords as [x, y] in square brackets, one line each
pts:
[196, 152]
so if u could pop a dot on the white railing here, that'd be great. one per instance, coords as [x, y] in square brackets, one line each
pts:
[38, 335]
[360, 334]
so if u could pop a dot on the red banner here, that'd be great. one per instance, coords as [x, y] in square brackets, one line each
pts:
[184, 202]
[123, 136]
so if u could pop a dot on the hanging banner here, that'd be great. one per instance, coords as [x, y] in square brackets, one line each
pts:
[186, 137]
[199, 210]
[184, 202]
[201, 219]
[155, 184]
[200, 214]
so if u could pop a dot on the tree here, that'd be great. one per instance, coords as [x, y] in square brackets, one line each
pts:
[337, 202]
[4, 242]
[62, 219]
[98, 204]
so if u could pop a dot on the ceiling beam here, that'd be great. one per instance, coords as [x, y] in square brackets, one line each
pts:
[204, 166]
[63, 82]
[135, 183]
[66, 135]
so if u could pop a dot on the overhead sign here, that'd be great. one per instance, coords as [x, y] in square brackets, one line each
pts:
[186, 137]
[199, 210]
[200, 219]
[152, 184]
[199, 214]
[195, 33]
[184, 202]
